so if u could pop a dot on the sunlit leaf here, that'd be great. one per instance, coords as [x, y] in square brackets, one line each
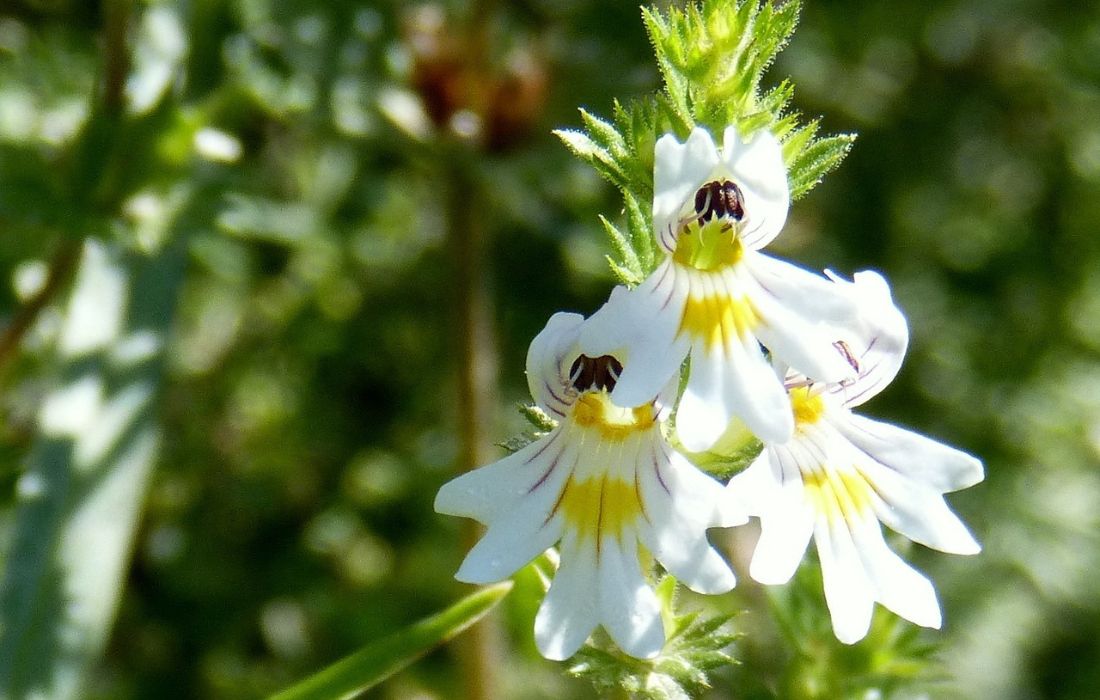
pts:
[81, 493]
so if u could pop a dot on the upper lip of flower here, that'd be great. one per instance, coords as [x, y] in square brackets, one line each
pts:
[873, 342]
[744, 182]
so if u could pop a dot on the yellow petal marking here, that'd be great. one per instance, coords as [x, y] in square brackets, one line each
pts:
[600, 506]
[839, 496]
[808, 408]
[712, 246]
[594, 410]
[716, 319]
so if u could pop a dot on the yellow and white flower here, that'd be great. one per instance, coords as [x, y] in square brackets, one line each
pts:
[717, 299]
[606, 485]
[841, 475]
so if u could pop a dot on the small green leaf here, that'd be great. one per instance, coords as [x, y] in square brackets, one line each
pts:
[623, 247]
[518, 442]
[641, 234]
[624, 275]
[378, 661]
[606, 134]
[538, 418]
[594, 154]
[820, 158]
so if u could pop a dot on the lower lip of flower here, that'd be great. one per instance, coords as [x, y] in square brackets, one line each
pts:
[717, 319]
[595, 410]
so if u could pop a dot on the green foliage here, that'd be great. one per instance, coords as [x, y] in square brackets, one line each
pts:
[366, 668]
[730, 455]
[307, 406]
[712, 57]
[894, 657]
[697, 644]
[541, 424]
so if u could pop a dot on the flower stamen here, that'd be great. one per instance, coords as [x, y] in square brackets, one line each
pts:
[719, 198]
[599, 373]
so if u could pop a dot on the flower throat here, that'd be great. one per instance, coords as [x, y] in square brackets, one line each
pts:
[708, 238]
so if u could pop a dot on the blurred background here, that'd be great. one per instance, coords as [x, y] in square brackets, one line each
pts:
[323, 235]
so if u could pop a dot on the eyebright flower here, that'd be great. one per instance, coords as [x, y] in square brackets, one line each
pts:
[604, 484]
[842, 474]
[716, 299]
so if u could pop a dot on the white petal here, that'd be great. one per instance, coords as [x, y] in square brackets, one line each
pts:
[848, 592]
[666, 398]
[490, 491]
[781, 547]
[679, 169]
[546, 377]
[640, 327]
[680, 504]
[809, 295]
[629, 609]
[915, 510]
[509, 544]
[794, 335]
[735, 382]
[754, 488]
[515, 498]
[645, 363]
[570, 610]
[900, 587]
[915, 456]
[758, 169]
[786, 525]
[876, 339]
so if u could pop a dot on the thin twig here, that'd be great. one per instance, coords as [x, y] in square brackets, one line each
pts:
[116, 54]
[60, 271]
[116, 66]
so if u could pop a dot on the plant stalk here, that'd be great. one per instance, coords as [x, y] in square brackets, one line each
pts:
[479, 649]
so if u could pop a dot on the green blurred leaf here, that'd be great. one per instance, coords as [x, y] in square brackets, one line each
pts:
[81, 493]
[379, 660]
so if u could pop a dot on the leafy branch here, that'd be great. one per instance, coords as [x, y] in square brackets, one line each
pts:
[712, 57]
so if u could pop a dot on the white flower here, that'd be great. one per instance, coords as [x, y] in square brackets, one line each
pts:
[717, 299]
[842, 474]
[604, 483]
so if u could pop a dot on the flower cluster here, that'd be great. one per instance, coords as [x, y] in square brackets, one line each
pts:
[753, 341]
